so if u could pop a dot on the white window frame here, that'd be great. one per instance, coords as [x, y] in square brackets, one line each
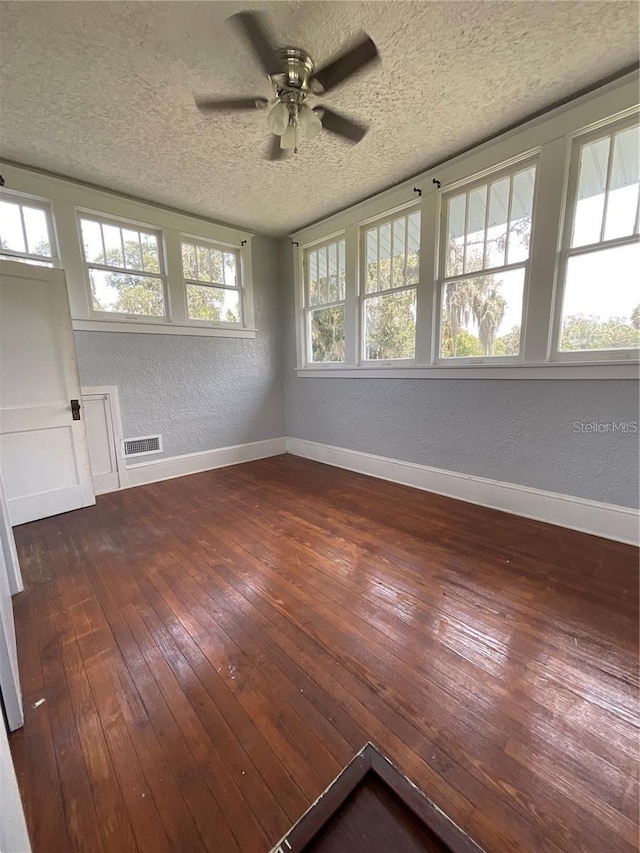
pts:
[308, 309]
[239, 288]
[121, 316]
[567, 252]
[546, 139]
[467, 186]
[24, 200]
[387, 218]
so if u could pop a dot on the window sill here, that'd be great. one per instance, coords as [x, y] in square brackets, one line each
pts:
[486, 371]
[159, 328]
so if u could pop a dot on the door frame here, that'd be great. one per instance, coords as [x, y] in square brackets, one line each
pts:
[111, 392]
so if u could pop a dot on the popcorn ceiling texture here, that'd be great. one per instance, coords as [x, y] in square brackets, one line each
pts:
[104, 93]
[199, 393]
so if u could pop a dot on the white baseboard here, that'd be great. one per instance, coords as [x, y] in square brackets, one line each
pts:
[600, 519]
[191, 463]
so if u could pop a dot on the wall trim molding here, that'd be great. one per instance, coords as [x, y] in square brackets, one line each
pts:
[205, 460]
[600, 519]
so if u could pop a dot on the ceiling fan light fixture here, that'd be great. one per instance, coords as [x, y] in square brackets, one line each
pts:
[289, 138]
[278, 119]
[309, 121]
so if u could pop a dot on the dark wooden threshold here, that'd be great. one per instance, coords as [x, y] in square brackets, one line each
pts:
[371, 806]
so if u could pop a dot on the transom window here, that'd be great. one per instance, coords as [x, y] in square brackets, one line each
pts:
[26, 233]
[600, 298]
[390, 271]
[212, 281]
[325, 302]
[125, 267]
[484, 255]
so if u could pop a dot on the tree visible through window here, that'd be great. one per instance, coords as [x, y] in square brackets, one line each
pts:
[325, 294]
[488, 235]
[125, 268]
[211, 279]
[392, 252]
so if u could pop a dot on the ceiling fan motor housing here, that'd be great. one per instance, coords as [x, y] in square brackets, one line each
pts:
[292, 83]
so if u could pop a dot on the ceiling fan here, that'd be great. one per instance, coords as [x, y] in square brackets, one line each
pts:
[294, 77]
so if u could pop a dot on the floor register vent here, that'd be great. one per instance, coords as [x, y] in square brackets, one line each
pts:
[142, 445]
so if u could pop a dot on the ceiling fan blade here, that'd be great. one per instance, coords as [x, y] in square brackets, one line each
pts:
[232, 103]
[251, 25]
[344, 66]
[276, 152]
[341, 125]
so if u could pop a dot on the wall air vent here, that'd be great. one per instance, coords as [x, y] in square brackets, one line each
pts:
[142, 445]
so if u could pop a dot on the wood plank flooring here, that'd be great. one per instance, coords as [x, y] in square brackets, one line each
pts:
[214, 649]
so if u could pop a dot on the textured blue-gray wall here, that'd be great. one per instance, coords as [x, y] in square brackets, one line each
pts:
[200, 393]
[517, 431]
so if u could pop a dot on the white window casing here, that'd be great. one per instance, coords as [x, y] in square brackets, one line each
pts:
[66, 202]
[551, 144]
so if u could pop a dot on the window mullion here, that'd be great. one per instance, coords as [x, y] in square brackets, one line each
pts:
[607, 186]
[547, 222]
[352, 322]
[425, 297]
[176, 290]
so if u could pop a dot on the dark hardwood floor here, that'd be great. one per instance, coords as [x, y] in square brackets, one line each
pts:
[214, 649]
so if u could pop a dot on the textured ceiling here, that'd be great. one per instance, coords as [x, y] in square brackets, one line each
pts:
[104, 92]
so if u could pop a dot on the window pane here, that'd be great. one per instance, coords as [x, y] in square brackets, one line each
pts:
[622, 203]
[35, 222]
[213, 303]
[601, 308]
[494, 237]
[393, 253]
[92, 241]
[11, 234]
[341, 269]
[327, 334]
[520, 220]
[372, 260]
[322, 275]
[390, 325]
[230, 277]
[474, 254]
[498, 222]
[384, 269]
[150, 252]
[217, 274]
[113, 246]
[592, 182]
[189, 260]
[332, 272]
[398, 270]
[204, 269]
[482, 315]
[313, 278]
[132, 249]
[455, 255]
[127, 293]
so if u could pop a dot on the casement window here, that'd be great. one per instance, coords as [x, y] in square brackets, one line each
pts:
[324, 268]
[390, 266]
[599, 299]
[26, 231]
[212, 280]
[125, 268]
[484, 257]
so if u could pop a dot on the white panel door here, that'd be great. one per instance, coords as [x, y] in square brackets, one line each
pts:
[43, 450]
